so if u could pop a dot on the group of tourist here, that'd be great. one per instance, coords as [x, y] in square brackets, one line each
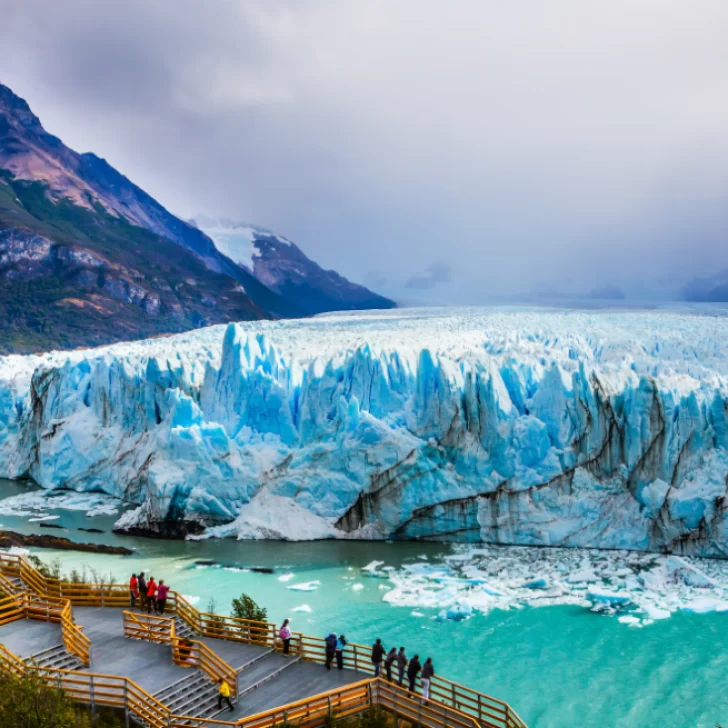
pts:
[149, 594]
[335, 645]
[153, 597]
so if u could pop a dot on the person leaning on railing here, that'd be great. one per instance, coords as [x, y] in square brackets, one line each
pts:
[162, 591]
[133, 590]
[428, 672]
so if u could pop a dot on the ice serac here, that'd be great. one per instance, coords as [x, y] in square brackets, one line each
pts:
[537, 428]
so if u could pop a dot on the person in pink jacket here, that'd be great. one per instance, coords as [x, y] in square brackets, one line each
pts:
[162, 591]
[285, 635]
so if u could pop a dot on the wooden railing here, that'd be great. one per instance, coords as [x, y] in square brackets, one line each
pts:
[149, 627]
[490, 712]
[192, 653]
[7, 588]
[74, 640]
[96, 690]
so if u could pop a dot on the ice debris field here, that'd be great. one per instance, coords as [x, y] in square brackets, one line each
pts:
[636, 588]
[541, 428]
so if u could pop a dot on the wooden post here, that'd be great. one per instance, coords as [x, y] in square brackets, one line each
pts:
[480, 708]
[91, 694]
[356, 661]
[126, 705]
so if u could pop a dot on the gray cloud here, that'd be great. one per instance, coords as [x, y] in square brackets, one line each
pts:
[434, 274]
[547, 146]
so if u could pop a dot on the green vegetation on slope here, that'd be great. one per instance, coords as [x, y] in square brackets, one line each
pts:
[65, 305]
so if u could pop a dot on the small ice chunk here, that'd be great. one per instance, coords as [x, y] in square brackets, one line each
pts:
[286, 577]
[631, 621]
[302, 608]
[539, 583]
[43, 518]
[357, 587]
[306, 586]
[602, 597]
[415, 613]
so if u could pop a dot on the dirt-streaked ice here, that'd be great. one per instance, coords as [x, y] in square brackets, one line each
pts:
[518, 427]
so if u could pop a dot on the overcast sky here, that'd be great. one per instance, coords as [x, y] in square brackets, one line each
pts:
[445, 151]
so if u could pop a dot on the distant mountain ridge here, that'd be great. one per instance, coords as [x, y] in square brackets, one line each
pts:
[283, 267]
[87, 257]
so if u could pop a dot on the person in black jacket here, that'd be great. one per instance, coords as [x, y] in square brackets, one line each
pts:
[377, 655]
[391, 657]
[142, 591]
[412, 672]
[401, 664]
[331, 642]
[428, 672]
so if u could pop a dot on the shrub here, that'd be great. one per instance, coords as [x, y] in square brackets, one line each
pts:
[246, 608]
[27, 701]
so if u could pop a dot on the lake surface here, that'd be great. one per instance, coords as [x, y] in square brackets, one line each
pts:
[559, 666]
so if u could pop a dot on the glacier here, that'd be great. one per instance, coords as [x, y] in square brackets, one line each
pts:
[510, 426]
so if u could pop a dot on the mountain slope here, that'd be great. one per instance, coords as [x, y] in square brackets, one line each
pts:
[87, 257]
[283, 267]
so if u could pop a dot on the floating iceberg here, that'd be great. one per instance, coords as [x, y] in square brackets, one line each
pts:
[648, 587]
[604, 430]
[306, 586]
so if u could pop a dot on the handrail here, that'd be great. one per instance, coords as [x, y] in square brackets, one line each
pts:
[6, 586]
[10, 662]
[74, 640]
[193, 653]
[490, 712]
[148, 627]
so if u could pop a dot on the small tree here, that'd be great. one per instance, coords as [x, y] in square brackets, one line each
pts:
[247, 608]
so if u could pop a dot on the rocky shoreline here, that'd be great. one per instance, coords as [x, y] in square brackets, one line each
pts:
[8, 539]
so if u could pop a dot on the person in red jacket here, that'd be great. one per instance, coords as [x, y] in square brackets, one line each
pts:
[151, 595]
[162, 591]
[133, 590]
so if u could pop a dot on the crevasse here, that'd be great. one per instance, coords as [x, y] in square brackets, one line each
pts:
[540, 428]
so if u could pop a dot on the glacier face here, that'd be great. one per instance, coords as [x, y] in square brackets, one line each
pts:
[542, 428]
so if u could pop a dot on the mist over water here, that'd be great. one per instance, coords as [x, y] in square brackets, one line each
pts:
[559, 666]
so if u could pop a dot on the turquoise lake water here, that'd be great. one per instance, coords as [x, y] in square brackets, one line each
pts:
[559, 666]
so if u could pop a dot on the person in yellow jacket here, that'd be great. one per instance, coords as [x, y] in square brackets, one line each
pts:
[223, 691]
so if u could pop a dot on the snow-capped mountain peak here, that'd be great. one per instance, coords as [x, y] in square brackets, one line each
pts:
[283, 267]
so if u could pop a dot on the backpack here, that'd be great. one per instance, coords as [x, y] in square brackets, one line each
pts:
[331, 643]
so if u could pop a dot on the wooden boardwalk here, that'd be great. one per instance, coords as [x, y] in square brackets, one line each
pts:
[163, 671]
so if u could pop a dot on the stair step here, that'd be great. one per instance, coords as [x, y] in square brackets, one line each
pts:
[270, 676]
[57, 658]
[183, 684]
[186, 690]
[192, 695]
[252, 662]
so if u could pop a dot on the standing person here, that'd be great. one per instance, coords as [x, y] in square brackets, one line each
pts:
[391, 657]
[401, 664]
[377, 655]
[340, 644]
[151, 595]
[428, 672]
[285, 635]
[142, 590]
[223, 693]
[331, 642]
[412, 672]
[162, 591]
[133, 591]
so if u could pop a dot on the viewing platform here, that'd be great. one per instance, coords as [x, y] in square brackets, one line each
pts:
[163, 671]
